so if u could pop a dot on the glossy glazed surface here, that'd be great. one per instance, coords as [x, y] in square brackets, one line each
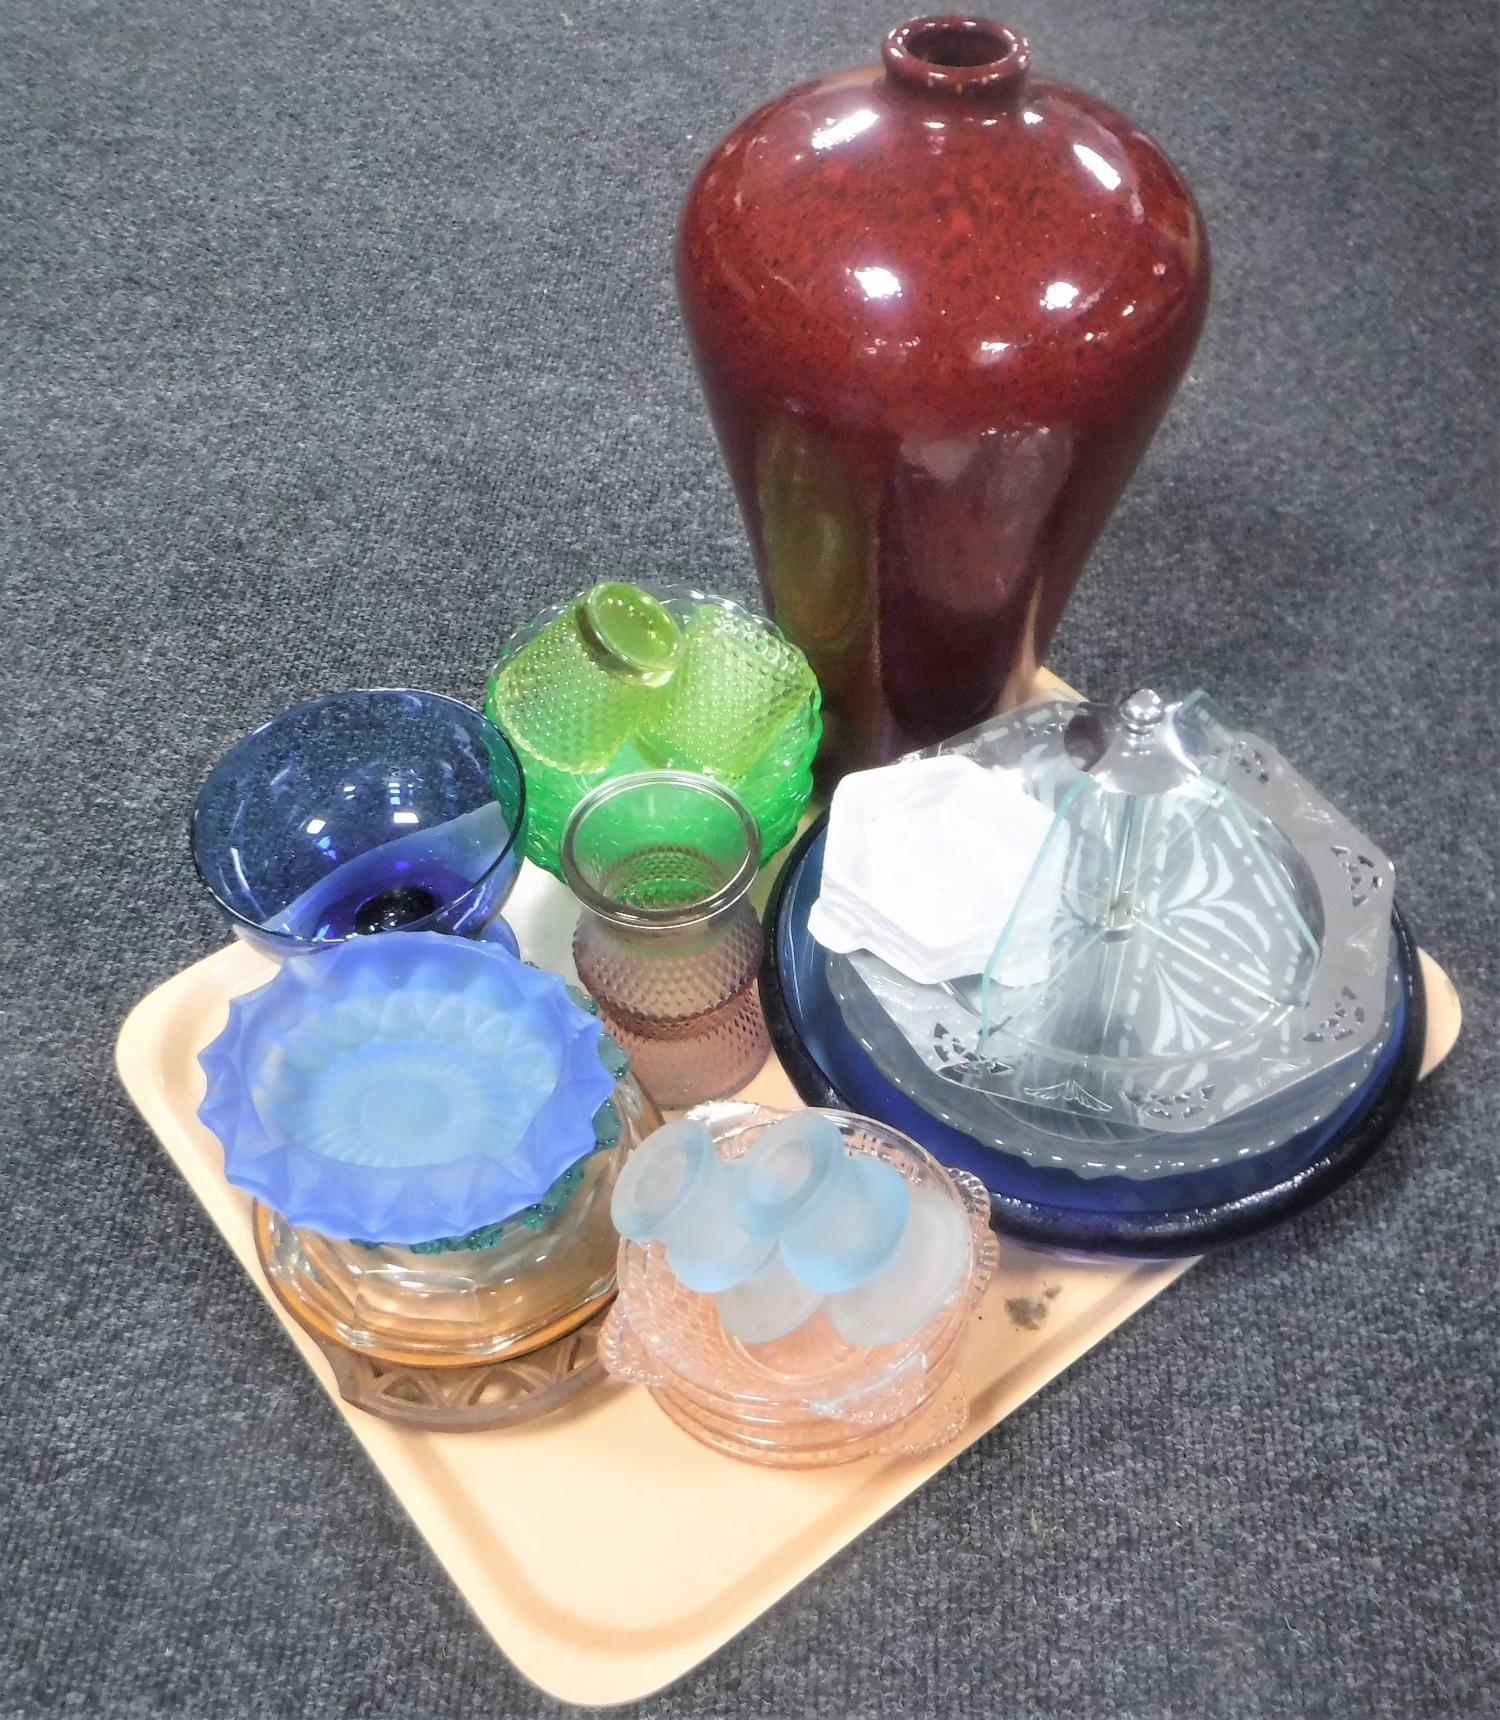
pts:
[938, 312]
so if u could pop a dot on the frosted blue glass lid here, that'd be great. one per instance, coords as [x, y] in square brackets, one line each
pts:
[400, 1089]
[796, 1225]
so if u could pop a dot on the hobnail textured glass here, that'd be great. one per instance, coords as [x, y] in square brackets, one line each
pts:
[736, 688]
[366, 811]
[810, 1397]
[506, 1290]
[666, 943]
[573, 696]
[405, 1088]
[626, 678]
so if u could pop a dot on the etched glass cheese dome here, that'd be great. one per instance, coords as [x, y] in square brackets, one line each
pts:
[1198, 965]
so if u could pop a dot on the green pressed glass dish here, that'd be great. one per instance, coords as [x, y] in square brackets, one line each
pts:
[626, 678]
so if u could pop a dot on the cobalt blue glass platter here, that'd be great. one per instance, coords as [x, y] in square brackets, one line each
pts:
[1052, 1208]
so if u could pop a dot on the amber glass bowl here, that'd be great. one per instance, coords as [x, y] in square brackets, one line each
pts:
[538, 1277]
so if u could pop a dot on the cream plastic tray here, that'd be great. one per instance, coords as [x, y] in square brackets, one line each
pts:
[604, 1550]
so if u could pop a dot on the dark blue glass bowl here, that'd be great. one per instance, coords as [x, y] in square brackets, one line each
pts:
[362, 812]
[1050, 1208]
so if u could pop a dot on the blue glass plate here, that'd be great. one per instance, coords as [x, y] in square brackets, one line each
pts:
[1053, 1208]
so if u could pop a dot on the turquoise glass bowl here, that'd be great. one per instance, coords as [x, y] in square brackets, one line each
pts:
[401, 1089]
[677, 1191]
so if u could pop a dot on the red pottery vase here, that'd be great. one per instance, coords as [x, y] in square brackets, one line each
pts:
[938, 308]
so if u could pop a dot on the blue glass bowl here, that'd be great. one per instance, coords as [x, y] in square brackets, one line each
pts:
[1050, 1208]
[362, 812]
[404, 1089]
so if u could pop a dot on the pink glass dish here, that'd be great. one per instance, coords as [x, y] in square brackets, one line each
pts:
[810, 1398]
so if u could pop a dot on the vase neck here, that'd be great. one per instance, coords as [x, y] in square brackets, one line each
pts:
[957, 57]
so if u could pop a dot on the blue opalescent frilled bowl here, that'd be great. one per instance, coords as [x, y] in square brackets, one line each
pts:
[401, 1089]
[362, 812]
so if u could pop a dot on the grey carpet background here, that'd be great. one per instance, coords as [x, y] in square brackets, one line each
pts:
[339, 336]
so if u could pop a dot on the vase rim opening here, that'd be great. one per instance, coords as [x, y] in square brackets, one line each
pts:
[957, 54]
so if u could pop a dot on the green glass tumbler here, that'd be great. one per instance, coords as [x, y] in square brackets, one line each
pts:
[668, 943]
[623, 679]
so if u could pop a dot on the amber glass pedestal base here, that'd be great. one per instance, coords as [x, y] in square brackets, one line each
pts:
[450, 1395]
[454, 1400]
